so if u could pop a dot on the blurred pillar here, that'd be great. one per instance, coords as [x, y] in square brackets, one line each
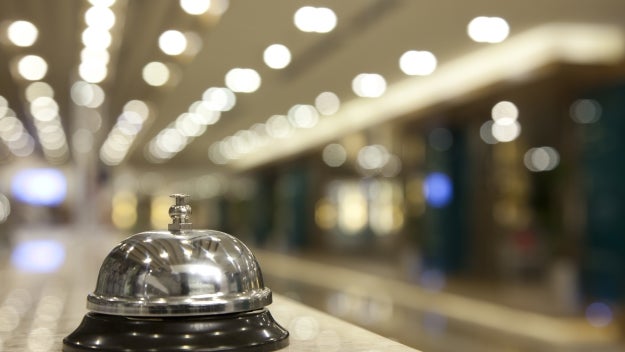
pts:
[603, 170]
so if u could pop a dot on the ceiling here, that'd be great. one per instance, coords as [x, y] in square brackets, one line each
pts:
[370, 36]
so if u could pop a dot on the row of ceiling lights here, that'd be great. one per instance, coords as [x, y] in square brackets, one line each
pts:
[365, 85]
[155, 73]
[42, 105]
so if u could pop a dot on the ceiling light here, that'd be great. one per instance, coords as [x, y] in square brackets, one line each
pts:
[277, 56]
[488, 29]
[38, 89]
[92, 73]
[202, 114]
[303, 116]
[100, 17]
[32, 67]
[156, 73]
[315, 19]
[22, 33]
[195, 7]
[278, 126]
[44, 109]
[219, 7]
[219, 99]
[172, 42]
[417, 63]
[138, 107]
[87, 94]
[105, 3]
[243, 80]
[327, 103]
[369, 85]
[96, 38]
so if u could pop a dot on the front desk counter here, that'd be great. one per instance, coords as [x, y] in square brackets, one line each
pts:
[310, 330]
[37, 310]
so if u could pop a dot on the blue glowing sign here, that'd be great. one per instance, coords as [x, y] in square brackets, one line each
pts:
[40, 187]
[38, 256]
[438, 189]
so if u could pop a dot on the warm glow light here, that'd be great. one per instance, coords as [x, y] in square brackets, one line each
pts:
[277, 56]
[417, 63]
[155, 73]
[195, 7]
[32, 67]
[172, 42]
[315, 19]
[369, 85]
[104, 3]
[22, 33]
[124, 210]
[243, 80]
[488, 29]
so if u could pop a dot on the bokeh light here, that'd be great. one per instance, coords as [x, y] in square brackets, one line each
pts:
[243, 80]
[155, 73]
[195, 7]
[417, 63]
[488, 29]
[541, 159]
[38, 256]
[315, 19]
[585, 111]
[32, 67]
[39, 187]
[327, 103]
[599, 314]
[172, 42]
[437, 189]
[334, 155]
[22, 33]
[369, 85]
[277, 56]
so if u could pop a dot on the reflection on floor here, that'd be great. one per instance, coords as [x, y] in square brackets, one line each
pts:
[428, 318]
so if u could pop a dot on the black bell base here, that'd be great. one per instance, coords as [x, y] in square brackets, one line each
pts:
[254, 331]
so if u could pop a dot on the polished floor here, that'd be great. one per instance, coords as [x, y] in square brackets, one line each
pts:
[37, 308]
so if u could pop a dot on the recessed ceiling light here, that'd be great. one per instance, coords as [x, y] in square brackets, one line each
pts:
[315, 19]
[32, 67]
[417, 63]
[22, 33]
[172, 42]
[369, 85]
[277, 56]
[156, 73]
[488, 29]
[243, 80]
[195, 7]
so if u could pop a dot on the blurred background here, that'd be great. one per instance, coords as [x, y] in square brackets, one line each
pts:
[448, 174]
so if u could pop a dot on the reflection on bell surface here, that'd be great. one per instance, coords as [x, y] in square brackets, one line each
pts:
[180, 289]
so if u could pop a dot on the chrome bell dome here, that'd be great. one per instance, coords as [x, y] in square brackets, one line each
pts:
[199, 288]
